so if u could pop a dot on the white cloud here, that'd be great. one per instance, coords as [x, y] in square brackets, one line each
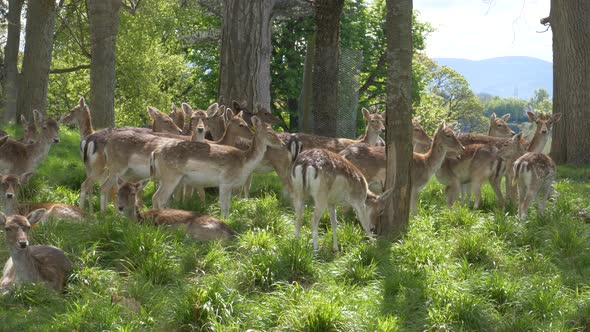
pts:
[481, 29]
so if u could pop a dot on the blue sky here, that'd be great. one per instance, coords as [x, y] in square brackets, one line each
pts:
[482, 29]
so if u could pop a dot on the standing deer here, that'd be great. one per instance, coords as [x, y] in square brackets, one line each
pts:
[260, 112]
[17, 157]
[330, 179]
[209, 165]
[199, 227]
[30, 128]
[164, 123]
[534, 173]
[499, 126]
[40, 263]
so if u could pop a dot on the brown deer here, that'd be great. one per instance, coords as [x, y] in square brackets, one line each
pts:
[215, 121]
[163, 123]
[261, 112]
[420, 139]
[330, 179]
[17, 157]
[480, 162]
[9, 188]
[499, 126]
[209, 165]
[372, 161]
[198, 226]
[178, 117]
[30, 128]
[40, 263]
[534, 173]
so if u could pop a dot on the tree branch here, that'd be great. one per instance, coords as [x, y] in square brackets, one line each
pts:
[68, 70]
[132, 6]
[371, 79]
[546, 21]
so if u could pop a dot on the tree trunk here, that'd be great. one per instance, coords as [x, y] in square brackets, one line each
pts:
[325, 67]
[571, 81]
[244, 64]
[305, 98]
[10, 79]
[399, 115]
[103, 16]
[32, 88]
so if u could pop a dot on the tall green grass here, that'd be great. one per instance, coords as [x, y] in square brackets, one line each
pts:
[455, 269]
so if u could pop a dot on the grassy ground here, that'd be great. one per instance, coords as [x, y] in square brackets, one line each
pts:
[454, 270]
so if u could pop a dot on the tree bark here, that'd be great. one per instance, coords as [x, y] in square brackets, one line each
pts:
[103, 16]
[571, 81]
[10, 83]
[32, 88]
[244, 62]
[399, 116]
[325, 67]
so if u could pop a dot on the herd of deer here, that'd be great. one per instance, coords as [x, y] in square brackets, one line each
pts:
[193, 149]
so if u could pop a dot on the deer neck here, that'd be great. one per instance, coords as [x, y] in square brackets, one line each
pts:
[537, 144]
[24, 266]
[228, 138]
[370, 136]
[39, 150]
[435, 156]
[254, 155]
[10, 206]
[85, 125]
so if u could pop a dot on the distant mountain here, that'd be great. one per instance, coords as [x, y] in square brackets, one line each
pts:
[511, 76]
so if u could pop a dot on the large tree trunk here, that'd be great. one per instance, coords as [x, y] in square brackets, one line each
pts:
[103, 16]
[571, 81]
[399, 115]
[244, 64]
[325, 67]
[10, 79]
[32, 88]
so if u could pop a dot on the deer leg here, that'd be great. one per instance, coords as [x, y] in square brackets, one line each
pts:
[246, 186]
[224, 200]
[315, 221]
[495, 183]
[522, 190]
[298, 204]
[334, 221]
[414, 201]
[106, 186]
[543, 196]
[165, 189]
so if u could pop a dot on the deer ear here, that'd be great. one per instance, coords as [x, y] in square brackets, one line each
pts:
[505, 117]
[212, 109]
[37, 116]
[235, 105]
[556, 117]
[187, 108]
[82, 102]
[35, 216]
[141, 184]
[256, 122]
[23, 120]
[229, 114]
[532, 116]
[120, 182]
[493, 116]
[517, 137]
[153, 112]
[2, 219]
[241, 115]
[25, 177]
[366, 114]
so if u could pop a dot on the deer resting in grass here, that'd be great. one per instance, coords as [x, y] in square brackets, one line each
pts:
[198, 226]
[534, 172]
[330, 179]
[209, 165]
[9, 187]
[31, 264]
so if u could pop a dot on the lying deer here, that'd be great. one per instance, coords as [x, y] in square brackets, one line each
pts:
[209, 165]
[40, 263]
[18, 157]
[534, 173]
[330, 179]
[200, 227]
[9, 188]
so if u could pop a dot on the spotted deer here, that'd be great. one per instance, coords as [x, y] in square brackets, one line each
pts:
[198, 226]
[209, 165]
[534, 173]
[9, 189]
[18, 157]
[31, 264]
[330, 179]
[372, 161]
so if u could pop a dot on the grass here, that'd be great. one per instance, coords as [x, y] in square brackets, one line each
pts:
[455, 269]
